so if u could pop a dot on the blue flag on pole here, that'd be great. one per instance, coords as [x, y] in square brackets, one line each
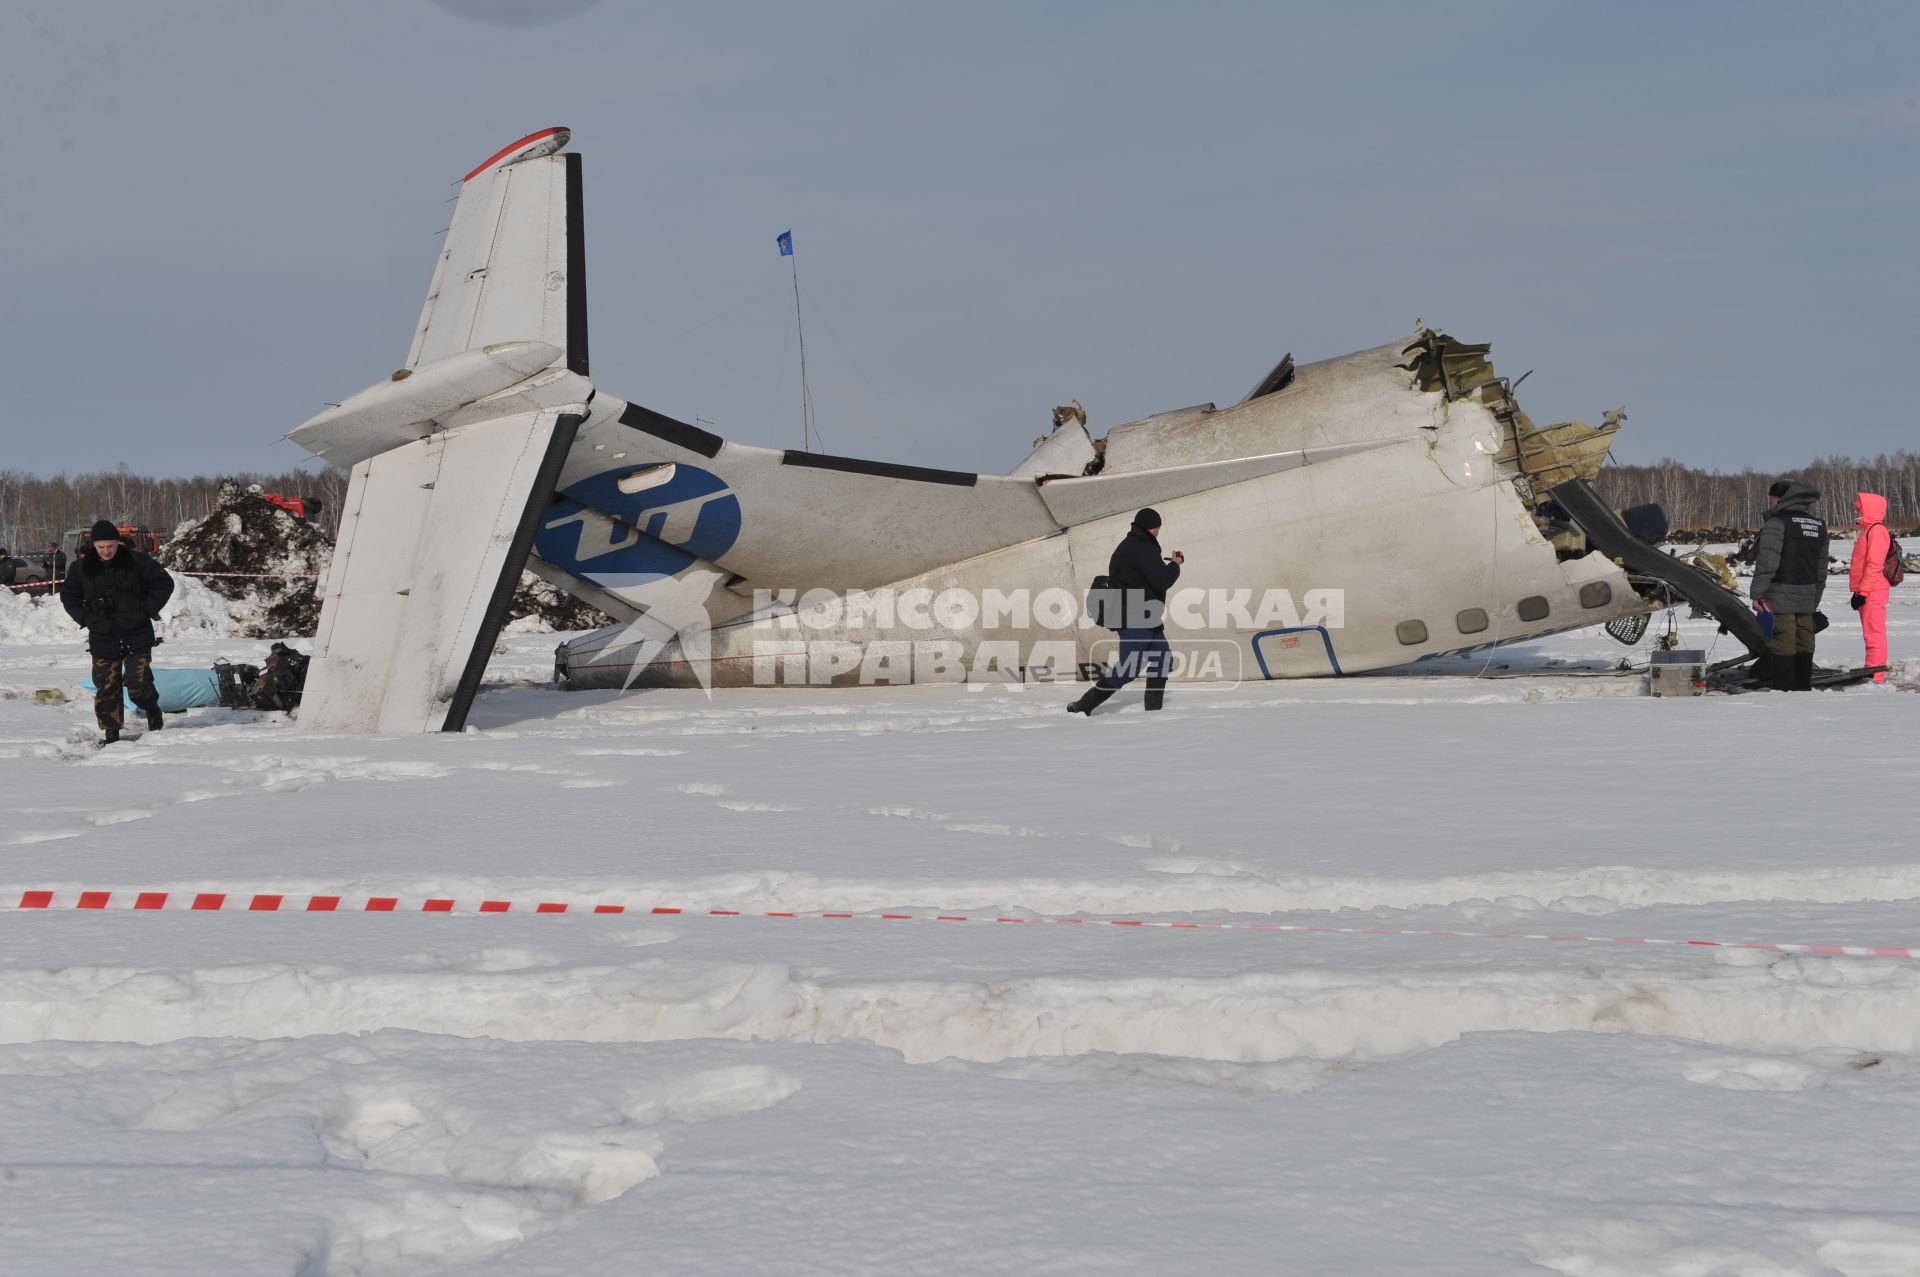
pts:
[785, 241]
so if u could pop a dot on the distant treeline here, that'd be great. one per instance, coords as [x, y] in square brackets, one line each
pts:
[34, 511]
[1709, 499]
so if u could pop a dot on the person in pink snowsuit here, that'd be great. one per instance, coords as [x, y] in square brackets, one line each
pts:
[1868, 576]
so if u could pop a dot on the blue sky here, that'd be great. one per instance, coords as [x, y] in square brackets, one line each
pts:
[219, 216]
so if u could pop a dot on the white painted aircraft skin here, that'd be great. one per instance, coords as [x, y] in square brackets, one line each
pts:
[1420, 529]
[1349, 478]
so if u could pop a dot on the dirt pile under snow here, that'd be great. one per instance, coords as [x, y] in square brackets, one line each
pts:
[258, 555]
[270, 565]
[539, 606]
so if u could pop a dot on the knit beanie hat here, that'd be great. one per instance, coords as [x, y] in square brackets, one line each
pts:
[103, 530]
[1147, 519]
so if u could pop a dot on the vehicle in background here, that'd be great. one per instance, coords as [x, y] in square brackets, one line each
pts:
[31, 575]
[302, 508]
[141, 539]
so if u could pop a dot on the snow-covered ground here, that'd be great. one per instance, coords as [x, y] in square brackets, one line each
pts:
[246, 1093]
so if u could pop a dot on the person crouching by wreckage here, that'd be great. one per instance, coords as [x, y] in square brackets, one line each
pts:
[1141, 579]
[116, 592]
[1789, 575]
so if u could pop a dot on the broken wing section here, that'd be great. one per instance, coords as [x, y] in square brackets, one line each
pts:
[432, 540]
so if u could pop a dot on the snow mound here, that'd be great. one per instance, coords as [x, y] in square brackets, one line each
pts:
[281, 560]
[194, 612]
[394, 1170]
[197, 611]
[36, 620]
[269, 566]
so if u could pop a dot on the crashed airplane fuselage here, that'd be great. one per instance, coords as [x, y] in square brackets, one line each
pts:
[1353, 514]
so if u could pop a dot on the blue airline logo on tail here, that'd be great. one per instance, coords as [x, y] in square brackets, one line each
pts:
[657, 530]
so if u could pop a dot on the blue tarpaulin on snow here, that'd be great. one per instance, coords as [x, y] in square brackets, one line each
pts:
[180, 689]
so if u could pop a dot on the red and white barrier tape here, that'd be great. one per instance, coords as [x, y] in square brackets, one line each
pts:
[252, 576]
[248, 576]
[284, 902]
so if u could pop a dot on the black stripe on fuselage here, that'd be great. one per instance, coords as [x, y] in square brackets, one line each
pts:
[677, 433]
[880, 469]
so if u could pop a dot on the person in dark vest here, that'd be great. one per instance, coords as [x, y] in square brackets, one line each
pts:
[56, 562]
[1143, 578]
[116, 592]
[1789, 575]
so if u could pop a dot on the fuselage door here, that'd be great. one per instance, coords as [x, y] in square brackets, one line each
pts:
[1304, 651]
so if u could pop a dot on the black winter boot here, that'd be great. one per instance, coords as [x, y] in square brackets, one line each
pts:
[1090, 699]
[1780, 674]
[1803, 671]
[1156, 692]
[110, 736]
[154, 719]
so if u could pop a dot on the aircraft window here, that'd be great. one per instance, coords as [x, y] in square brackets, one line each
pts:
[1471, 621]
[1411, 632]
[1596, 594]
[1534, 608]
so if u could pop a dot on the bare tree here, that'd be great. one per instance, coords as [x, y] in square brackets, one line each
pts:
[1703, 499]
[34, 511]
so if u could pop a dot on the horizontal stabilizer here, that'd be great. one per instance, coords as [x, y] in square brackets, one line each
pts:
[432, 542]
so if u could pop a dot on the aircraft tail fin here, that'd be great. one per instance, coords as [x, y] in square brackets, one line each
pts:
[456, 455]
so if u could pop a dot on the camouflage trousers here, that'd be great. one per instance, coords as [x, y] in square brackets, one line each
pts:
[133, 674]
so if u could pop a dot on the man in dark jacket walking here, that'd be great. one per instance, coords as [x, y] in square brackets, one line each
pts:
[117, 593]
[1142, 578]
[1789, 575]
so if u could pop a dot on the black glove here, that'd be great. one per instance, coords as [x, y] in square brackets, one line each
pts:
[1859, 601]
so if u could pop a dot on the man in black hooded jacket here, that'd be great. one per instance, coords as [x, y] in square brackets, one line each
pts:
[1142, 578]
[117, 593]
